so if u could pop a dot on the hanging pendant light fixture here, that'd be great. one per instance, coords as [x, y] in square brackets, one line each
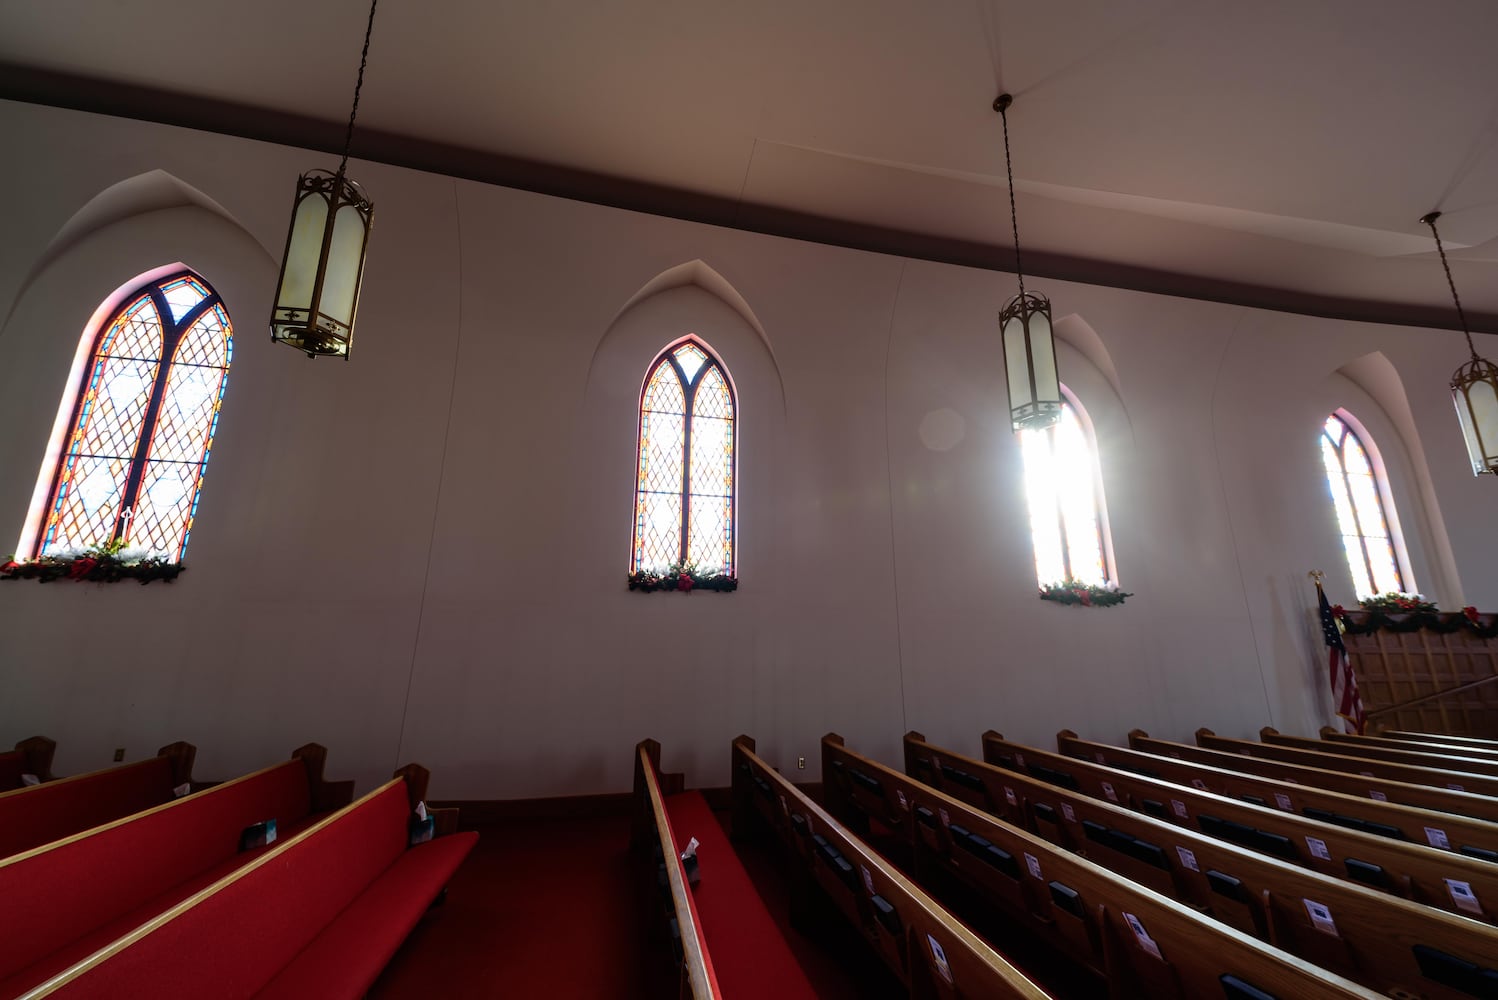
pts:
[318, 292]
[1029, 349]
[1474, 387]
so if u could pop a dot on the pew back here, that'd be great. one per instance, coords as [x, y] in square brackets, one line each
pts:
[1406, 736]
[1376, 936]
[245, 932]
[1436, 745]
[1402, 869]
[1460, 781]
[920, 941]
[1444, 800]
[1148, 944]
[1442, 830]
[41, 813]
[1477, 764]
[69, 897]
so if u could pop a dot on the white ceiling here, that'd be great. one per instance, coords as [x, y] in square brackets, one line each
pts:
[1275, 152]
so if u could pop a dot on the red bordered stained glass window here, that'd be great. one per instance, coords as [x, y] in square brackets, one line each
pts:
[1358, 494]
[685, 482]
[142, 424]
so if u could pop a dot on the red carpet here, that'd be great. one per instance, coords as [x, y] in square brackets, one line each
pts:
[554, 908]
[539, 909]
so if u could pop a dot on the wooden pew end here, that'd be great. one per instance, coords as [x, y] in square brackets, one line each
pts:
[1135, 735]
[36, 753]
[326, 795]
[1325, 731]
[917, 736]
[742, 740]
[417, 778]
[991, 734]
[1203, 731]
[182, 755]
[1065, 734]
[1268, 731]
[833, 738]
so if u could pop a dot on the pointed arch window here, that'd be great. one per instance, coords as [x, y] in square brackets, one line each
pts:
[1064, 487]
[685, 482]
[143, 420]
[1365, 509]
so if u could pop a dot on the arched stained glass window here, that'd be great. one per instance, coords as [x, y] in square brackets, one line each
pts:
[1064, 487]
[1359, 496]
[142, 424]
[684, 483]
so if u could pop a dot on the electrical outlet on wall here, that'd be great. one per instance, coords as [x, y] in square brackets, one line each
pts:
[801, 763]
[119, 754]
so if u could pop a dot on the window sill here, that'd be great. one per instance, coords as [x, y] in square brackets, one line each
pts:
[1083, 594]
[682, 582]
[91, 569]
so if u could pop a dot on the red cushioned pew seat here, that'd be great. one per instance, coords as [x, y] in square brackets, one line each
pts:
[317, 915]
[67, 899]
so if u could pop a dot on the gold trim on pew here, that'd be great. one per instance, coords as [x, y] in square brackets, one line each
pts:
[694, 962]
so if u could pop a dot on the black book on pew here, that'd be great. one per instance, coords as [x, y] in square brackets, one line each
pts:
[257, 835]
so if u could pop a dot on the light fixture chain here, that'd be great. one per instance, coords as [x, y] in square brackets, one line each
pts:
[1430, 220]
[348, 137]
[1013, 215]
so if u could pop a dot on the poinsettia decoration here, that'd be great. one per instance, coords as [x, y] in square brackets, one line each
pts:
[682, 577]
[1395, 603]
[109, 562]
[1089, 595]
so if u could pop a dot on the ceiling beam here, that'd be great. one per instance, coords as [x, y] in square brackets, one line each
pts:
[81, 93]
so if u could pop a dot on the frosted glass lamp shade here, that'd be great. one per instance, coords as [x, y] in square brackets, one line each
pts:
[318, 293]
[1474, 388]
[1030, 362]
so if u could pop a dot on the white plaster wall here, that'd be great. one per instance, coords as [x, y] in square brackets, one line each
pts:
[420, 554]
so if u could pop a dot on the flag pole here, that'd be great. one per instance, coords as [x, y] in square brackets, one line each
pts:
[1344, 685]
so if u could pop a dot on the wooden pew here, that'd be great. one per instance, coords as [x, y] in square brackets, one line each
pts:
[1486, 767]
[1413, 737]
[29, 763]
[1252, 892]
[1432, 747]
[1307, 795]
[1142, 943]
[35, 815]
[1448, 800]
[929, 950]
[70, 897]
[316, 916]
[1460, 781]
[652, 828]
[1406, 870]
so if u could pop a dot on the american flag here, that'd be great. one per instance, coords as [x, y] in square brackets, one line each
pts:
[1339, 667]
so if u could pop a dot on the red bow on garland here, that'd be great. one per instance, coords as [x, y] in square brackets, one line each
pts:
[684, 582]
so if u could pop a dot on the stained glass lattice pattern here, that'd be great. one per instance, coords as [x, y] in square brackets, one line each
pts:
[1357, 499]
[1064, 496]
[133, 466]
[684, 487]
